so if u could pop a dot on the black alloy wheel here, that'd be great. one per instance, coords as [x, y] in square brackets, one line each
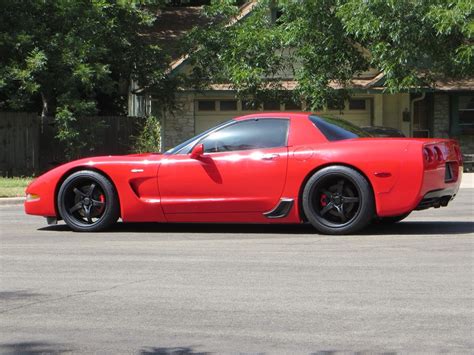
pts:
[88, 202]
[338, 200]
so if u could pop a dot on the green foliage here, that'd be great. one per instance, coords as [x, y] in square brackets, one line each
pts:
[246, 52]
[58, 57]
[323, 44]
[78, 134]
[149, 138]
[413, 42]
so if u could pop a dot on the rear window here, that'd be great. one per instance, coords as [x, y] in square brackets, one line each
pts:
[336, 129]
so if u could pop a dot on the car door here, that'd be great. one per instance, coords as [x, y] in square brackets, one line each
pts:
[243, 169]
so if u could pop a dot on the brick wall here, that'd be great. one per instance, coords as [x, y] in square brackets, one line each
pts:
[441, 116]
[467, 143]
[178, 126]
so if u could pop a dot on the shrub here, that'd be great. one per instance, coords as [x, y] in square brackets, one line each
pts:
[149, 138]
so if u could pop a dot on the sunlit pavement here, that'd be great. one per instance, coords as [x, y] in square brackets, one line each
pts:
[187, 289]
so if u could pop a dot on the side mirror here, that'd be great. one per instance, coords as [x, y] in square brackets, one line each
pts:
[197, 151]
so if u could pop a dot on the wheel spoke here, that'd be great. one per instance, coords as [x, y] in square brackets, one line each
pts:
[91, 190]
[87, 211]
[326, 208]
[76, 207]
[349, 199]
[96, 203]
[340, 186]
[79, 193]
[340, 213]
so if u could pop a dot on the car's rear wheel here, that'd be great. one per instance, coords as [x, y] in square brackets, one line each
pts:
[338, 200]
[88, 202]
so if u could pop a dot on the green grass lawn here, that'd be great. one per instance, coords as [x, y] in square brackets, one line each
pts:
[13, 187]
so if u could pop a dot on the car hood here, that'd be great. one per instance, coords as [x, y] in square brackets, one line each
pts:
[99, 161]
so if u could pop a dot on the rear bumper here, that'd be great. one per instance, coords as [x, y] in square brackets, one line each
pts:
[439, 187]
[437, 199]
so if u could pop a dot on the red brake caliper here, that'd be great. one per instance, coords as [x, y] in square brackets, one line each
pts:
[323, 200]
[102, 199]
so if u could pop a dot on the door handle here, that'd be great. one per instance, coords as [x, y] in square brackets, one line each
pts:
[270, 156]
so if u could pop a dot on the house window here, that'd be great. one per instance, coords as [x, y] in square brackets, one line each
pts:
[335, 104]
[206, 105]
[357, 104]
[228, 105]
[271, 105]
[466, 112]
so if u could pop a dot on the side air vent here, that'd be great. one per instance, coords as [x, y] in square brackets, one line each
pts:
[281, 210]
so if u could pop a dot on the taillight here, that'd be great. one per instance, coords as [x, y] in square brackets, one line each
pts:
[438, 155]
[428, 155]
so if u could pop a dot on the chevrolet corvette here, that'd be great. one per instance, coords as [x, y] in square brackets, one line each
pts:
[260, 168]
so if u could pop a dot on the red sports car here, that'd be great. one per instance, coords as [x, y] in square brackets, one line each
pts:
[262, 168]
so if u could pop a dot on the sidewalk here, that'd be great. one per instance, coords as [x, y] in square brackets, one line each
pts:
[467, 181]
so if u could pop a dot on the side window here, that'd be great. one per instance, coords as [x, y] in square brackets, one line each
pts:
[250, 134]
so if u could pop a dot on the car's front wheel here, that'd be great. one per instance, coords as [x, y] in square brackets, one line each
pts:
[87, 202]
[338, 200]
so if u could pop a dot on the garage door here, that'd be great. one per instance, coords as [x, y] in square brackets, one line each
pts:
[356, 110]
[204, 122]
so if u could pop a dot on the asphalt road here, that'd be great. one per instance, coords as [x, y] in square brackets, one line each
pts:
[188, 289]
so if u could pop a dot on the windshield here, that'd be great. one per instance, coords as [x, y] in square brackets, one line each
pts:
[190, 141]
[336, 129]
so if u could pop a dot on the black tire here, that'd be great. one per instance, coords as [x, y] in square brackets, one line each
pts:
[87, 202]
[391, 219]
[338, 200]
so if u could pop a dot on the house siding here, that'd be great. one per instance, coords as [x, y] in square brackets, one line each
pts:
[393, 106]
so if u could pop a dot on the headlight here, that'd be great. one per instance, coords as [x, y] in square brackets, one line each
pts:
[32, 197]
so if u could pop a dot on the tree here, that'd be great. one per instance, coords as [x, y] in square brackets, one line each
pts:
[70, 58]
[323, 42]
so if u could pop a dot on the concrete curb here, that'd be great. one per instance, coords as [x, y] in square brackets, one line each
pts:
[466, 183]
[11, 201]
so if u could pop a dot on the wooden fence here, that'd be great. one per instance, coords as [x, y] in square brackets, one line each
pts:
[28, 146]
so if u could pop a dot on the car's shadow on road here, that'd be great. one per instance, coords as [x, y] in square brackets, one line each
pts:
[421, 228]
[401, 228]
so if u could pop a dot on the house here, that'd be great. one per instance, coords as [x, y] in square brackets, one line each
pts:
[446, 110]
